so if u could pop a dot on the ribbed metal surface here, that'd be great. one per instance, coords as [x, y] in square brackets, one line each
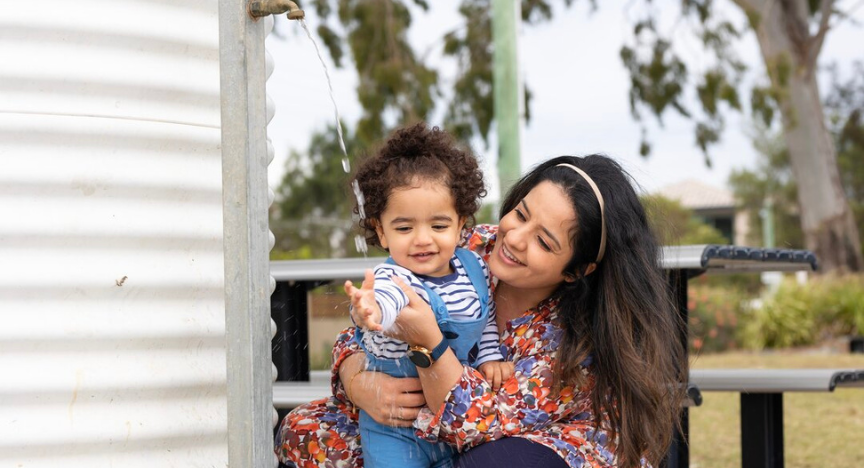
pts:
[112, 322]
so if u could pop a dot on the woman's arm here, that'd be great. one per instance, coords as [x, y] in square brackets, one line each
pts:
[389, 400]
[466, 411]
[473, 413]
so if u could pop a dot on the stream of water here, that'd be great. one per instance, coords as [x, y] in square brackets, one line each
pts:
[359, 241]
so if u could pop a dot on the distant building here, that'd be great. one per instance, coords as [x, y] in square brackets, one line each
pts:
[713, 205]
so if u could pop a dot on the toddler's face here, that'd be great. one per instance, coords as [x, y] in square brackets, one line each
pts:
[421, 228]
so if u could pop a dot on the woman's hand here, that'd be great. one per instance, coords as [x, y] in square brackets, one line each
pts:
[391, 401]
[416, 324]
[365, 311]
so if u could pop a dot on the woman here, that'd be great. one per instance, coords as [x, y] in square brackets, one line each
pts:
[584, 314]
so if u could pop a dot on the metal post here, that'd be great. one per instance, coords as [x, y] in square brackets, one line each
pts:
[767, 215]
[507, 89]
[762, 430]
[246, 243]
[288, 306]
[679, 452]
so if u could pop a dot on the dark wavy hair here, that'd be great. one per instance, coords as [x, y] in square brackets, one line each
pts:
[621, 314]
[412, 154]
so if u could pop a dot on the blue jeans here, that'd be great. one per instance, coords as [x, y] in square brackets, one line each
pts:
[386, 447]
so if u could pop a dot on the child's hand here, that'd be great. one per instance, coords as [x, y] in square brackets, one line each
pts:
[364, 308]
[497, 372]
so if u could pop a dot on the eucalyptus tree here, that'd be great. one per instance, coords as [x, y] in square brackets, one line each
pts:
[772, 178]
[790, 34]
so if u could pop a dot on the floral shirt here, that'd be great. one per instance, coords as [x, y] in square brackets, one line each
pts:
[325, 433]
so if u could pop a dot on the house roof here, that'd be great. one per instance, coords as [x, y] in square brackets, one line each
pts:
[696, 195]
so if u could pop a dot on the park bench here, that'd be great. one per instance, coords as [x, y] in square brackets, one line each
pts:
[762, 402]
[296, 385]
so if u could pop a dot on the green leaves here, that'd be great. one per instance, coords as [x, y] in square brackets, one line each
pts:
[657, 81]
[470, 111]
[659, 77]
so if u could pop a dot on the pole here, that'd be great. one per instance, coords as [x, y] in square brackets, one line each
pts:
[246, 237]
[767, 215]
[507, 89]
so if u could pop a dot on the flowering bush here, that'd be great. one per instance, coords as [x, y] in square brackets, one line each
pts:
[714, 314]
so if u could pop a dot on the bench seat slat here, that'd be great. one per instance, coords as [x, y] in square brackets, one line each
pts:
[775, 380]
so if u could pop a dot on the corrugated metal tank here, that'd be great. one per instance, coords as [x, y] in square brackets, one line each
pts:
[112, 322]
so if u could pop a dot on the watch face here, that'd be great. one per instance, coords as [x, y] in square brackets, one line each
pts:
[420, 359]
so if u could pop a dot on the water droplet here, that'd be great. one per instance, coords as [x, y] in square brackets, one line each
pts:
[360, 243]
[361, 200]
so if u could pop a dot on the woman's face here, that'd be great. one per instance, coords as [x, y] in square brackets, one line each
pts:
[533, 245]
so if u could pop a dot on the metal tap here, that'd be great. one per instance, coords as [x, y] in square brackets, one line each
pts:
[262, 8]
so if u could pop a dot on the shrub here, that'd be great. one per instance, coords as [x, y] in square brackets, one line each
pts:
[714, 316]
[799, 315]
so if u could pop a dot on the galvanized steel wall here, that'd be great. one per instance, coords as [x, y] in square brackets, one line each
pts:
[112, 322]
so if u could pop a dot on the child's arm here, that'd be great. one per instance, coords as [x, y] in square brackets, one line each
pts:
[365, 311]
[378, 301]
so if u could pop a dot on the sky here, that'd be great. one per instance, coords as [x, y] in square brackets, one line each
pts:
[579, 85]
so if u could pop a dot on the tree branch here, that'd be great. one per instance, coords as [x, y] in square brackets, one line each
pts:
[818, 39]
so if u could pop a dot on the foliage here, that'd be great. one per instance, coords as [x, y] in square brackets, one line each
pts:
[773, 178]
[659, 77]
[396, 87]
[311, 216]
[844, 108]
[713, 318]
[675, 225]
[393, 80]
[803, 314]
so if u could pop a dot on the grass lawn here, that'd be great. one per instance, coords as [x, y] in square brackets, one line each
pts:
[820, 429]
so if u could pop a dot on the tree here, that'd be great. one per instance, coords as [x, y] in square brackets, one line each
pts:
[311, 216]
[790, 34]
[845, 105]
[393, 81]
[772, 178]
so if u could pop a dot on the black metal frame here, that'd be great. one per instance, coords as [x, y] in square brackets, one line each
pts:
[289, 309]
[762, 430]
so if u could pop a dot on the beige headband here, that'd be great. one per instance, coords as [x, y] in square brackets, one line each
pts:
[602, 249]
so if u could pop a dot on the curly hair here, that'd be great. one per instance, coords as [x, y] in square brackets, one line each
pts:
[412, 154]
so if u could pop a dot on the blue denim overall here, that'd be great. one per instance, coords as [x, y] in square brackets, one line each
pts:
[386, 446]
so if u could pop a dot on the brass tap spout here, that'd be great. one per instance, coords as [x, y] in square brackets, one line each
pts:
[262, 8]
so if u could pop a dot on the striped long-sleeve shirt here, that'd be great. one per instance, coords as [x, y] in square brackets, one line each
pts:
[455, 290]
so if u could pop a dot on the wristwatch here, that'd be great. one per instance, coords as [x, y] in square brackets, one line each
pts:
[422, 357]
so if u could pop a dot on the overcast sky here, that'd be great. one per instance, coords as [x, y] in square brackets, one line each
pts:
[579, 88]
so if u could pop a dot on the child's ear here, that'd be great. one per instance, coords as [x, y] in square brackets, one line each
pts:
[382, 239]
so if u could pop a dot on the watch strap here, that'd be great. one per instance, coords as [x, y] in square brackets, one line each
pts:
[439, 350]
